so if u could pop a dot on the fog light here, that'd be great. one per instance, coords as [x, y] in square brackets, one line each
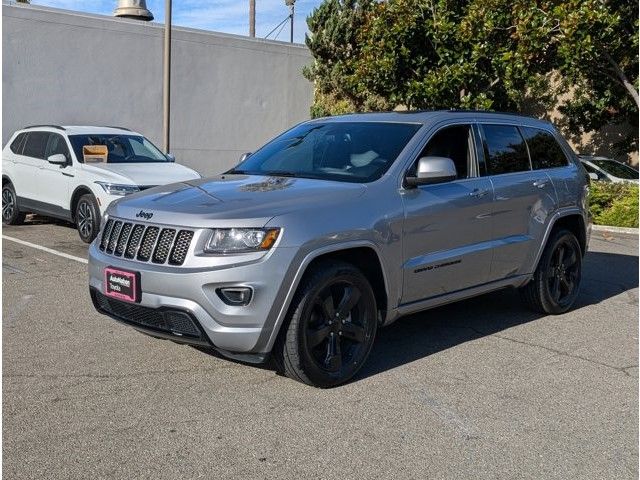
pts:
[235, 296]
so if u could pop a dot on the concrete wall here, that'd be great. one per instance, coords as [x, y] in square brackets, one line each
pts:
[229, 93]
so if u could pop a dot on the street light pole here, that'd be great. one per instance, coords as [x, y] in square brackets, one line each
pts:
[166, 85]
[252, 18]
[291, 4]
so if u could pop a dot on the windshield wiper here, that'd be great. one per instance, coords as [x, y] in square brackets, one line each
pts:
[233, 171]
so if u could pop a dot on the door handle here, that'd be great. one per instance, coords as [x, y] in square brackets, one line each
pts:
[478, 193]
[541, 183]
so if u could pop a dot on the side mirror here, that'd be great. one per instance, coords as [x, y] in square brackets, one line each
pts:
[170, 157]
[57, 159]
[244, 156]
[433, 170]
[593, 176]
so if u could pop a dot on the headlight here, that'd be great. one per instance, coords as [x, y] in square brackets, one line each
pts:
[238, 240]
[117, 189]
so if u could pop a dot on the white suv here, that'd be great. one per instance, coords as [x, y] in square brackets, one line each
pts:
[44, 171]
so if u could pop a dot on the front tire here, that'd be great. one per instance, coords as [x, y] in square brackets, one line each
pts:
[332, 324]
[87, 217]
[556, 282]
[11, 215]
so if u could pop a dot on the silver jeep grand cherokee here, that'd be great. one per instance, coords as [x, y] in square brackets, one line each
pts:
[340, 226]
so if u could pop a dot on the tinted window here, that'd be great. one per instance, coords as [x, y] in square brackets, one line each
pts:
[590, 169]
[454, 143]
[36, 144]
[120, 148]
[617, 169]
[16, 145]
[57, 145]
[505, 149]
[544, 149]
[342, 151]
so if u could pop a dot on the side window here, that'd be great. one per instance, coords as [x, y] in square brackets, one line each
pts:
[16, 145]
[36, 144]
[55, 145]
[590, 169]
[544, 149]
[505, 149]
[454, 142]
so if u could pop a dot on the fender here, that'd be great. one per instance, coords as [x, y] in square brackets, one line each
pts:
[563, 212]
[80, 187]
[302, 269]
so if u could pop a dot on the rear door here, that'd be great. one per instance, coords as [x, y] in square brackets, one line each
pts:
[447, 226]
[524, 199]
[55, 180]
[28, 165]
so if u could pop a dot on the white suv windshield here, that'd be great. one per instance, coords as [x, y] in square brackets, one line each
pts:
[120, 148]
[344, 151]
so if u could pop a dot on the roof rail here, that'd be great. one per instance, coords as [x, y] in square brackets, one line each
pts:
[50, 126]
[113, 126]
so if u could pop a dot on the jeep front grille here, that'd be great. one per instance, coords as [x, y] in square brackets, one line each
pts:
[145, 243]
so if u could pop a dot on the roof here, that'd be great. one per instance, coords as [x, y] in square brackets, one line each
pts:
[82, 129]
[425, 116]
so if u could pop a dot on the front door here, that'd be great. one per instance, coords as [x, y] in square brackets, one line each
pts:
[447, 226]
[54, 180]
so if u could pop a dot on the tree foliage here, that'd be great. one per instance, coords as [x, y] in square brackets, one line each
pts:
[485, 54]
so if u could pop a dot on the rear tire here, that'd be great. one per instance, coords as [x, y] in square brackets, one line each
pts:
[11, 215]
[556, 282]
[331, 326]
[87, 216]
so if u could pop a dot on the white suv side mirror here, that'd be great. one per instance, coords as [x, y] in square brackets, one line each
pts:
[57, 159]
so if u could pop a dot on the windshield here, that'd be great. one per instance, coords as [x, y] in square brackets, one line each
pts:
[119, 148]
[616, 169]
[343, 151]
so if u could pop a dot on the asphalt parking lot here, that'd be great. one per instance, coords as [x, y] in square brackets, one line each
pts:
[480, 389]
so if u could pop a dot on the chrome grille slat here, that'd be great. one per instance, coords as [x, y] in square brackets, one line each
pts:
[180, 247]
[113, 238]
[134, 241]
[124, 238]
[106, 233]
[146, 243]
[165, 240]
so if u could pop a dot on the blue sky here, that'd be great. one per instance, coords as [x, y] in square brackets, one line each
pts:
[230, 16]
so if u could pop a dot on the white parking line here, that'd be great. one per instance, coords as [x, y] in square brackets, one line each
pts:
[45, 249]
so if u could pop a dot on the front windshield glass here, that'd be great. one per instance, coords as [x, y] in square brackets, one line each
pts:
[617, 169]
[343, 151]
[120, 148]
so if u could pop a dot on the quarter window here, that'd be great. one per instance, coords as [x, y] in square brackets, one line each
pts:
[36, 144]
[505, 149]
[544, 149]
[16, 145]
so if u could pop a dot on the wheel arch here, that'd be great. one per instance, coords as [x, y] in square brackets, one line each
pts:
[571, 219]
[6, 179]
[357, 253]
[75, 197]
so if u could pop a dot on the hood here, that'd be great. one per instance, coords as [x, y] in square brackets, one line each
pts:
[233, 200]
[157, 173]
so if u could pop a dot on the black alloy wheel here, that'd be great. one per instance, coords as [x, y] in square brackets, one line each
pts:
[332, 325]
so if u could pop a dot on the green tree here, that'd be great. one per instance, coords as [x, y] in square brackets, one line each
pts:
[486, 54]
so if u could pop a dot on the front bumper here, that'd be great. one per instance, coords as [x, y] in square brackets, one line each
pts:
[230, 329]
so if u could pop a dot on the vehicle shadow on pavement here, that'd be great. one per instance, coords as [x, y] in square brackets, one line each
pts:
[416, 336]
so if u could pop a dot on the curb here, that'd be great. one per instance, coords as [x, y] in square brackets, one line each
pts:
[606, 228]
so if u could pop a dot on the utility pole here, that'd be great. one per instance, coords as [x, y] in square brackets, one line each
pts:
[166, 85]
[291, 4]
[252, 18]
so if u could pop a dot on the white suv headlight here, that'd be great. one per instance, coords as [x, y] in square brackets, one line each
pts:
[239, 240]
[118, 189]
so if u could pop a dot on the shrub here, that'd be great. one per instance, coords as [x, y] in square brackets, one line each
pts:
[614, 204]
